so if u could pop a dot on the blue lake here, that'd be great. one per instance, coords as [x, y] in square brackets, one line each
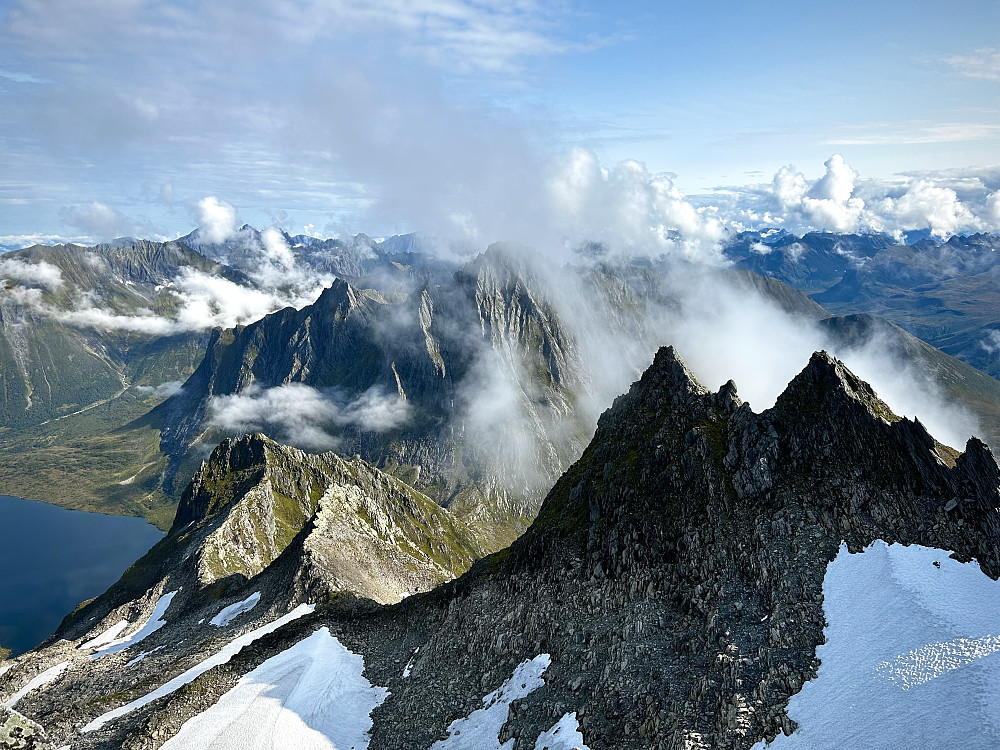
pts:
[51, 559]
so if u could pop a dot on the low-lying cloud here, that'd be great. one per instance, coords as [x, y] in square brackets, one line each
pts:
[307, 417]
[41, 274]
[204, 301]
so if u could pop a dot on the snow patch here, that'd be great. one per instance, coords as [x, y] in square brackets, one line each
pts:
[106, 637]
[565, 735]
[230, 613]
[49, 675]
[911, 655]
[221, 657]
[409, 665]
[313, 696]
[142, 656]
[480, 730]
[153, 623]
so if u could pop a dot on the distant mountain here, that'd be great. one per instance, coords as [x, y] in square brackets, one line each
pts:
[946, 293]
[76, 364]
[669, 594]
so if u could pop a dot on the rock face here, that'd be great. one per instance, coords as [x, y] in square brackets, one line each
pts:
[450, 352]
[673, 575]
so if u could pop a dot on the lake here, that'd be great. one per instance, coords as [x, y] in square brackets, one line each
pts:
[51, 559]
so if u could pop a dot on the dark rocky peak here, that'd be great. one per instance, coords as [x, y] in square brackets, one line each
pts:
[339, 296]
[671, 450]
[827, 388]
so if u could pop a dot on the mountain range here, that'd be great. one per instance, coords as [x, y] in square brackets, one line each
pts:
[476, 382]
[670, 592]
[415, 502]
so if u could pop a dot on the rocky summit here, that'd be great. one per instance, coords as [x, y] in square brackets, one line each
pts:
[668, 595]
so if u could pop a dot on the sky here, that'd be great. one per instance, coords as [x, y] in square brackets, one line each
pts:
[497, 120]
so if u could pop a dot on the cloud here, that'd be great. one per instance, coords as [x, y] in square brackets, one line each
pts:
[102, 222]
[627, 208]
[926, 206]
[203, 301]
[304, 416]
[163, 390]
[41, 274]
[18, 241]
[841, 200]
[216, 219]
[983, 63]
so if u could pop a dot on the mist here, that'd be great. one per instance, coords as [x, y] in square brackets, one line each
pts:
[306, 417]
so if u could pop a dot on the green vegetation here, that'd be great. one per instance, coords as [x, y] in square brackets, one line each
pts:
[90, 461]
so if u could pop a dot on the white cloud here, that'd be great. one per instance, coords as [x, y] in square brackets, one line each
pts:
[627, 208]
[216, 219]
[163, 390]
[983, 63]
[841, 201]
[829, 202]
[205, 301]
[304, 416]
[926, 206]
[39, 274]
[18, 241]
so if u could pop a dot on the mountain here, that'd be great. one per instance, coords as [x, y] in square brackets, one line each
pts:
[477, 385]
[435, 355]
[946, 293]
[84, 351]
[669, 594]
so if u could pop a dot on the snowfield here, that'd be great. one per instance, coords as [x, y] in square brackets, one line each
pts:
[312, 696]
[49, 675]
[480, 730]
[221, 657]
[565, 735]
[230, 613]
[911, 658]
[106, 642]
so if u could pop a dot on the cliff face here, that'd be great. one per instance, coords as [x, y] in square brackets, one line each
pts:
[449, 354]
[674, 577]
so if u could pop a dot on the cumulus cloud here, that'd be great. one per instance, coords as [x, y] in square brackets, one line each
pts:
[927, 206]
[304, 416]
[216, 219]
[627, 208]
[41, 274]
[842, 201]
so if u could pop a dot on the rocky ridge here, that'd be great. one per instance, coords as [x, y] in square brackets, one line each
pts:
[674, 574]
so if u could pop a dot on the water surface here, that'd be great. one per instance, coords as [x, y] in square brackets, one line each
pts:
[51, 559]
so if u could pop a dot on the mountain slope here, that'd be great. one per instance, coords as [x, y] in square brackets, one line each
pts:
[669, 594]
[946, 293]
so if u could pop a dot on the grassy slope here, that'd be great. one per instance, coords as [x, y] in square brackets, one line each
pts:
[81, 461]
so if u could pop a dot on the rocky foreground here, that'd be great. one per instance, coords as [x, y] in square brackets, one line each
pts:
[669, 594]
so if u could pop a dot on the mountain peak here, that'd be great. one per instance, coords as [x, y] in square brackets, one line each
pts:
[825, 387]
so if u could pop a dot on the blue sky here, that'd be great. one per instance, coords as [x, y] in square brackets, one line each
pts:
[123, 116]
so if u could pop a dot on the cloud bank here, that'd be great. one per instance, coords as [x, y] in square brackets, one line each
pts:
[307, 417]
